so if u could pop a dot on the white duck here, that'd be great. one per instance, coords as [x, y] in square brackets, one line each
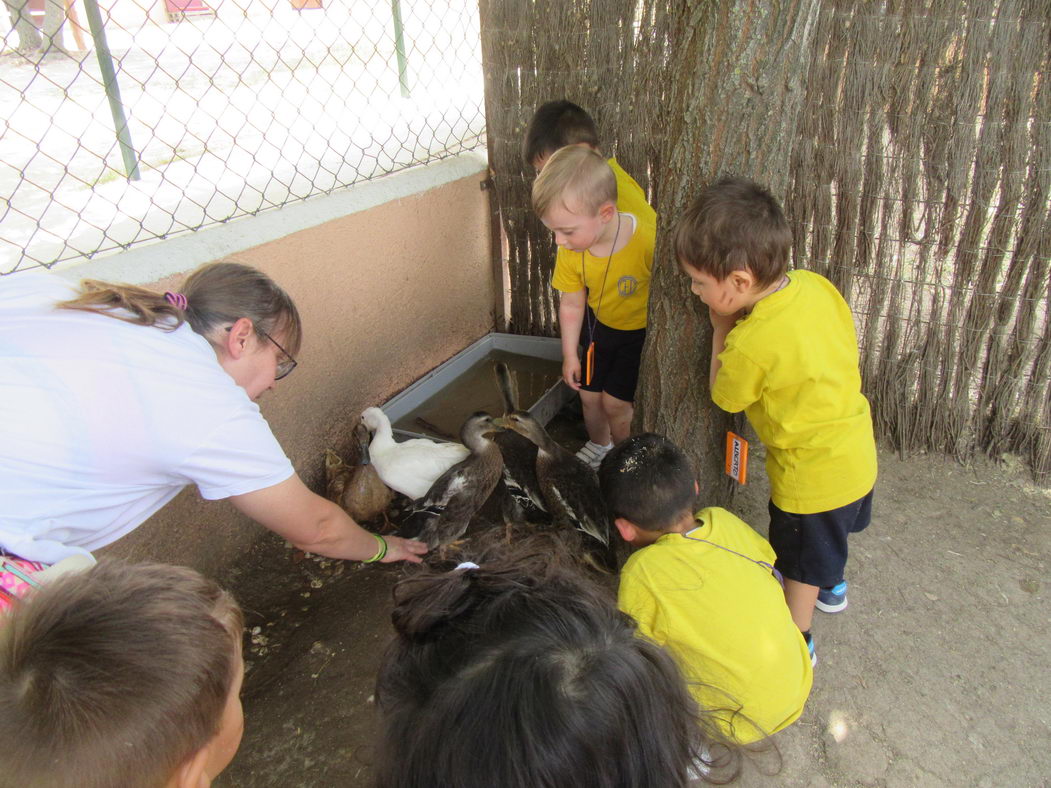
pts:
[412, 466]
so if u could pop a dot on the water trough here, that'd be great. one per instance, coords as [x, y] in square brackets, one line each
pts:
[438, 403]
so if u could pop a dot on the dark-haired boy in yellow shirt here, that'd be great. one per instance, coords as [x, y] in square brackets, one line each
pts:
[703, 586]
[785, 351]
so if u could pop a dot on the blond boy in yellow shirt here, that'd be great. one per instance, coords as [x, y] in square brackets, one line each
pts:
[618, 333]
[785, 351]
[603, 272]
[703, 586]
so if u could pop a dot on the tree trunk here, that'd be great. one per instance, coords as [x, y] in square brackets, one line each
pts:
[54, 21]
[29, 39]
[732, 108]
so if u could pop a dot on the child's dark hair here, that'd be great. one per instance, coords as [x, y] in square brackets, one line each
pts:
[555, 125]
[734, 225]
[648, 480]
[114, 676]
[522, 673]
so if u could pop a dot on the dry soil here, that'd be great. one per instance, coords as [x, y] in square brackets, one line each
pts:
[937, 674]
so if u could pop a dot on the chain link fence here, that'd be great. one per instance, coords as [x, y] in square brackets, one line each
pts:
[143, 120]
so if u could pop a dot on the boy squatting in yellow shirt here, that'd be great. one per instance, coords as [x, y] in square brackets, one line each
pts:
[703, 587]
[604, 263]
[784, 350]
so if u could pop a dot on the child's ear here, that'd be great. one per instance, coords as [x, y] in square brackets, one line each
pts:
[627, 529]
[191, 772]
[696, 487]
[607, 212]
[742, 281]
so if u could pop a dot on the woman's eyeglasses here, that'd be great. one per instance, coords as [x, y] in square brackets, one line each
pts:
[286, 365]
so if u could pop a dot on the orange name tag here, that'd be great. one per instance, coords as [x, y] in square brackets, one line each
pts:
[589, 364]
[737, 458]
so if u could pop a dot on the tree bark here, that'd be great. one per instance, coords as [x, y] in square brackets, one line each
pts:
[54, 21]
[29, 38]
[737, 117]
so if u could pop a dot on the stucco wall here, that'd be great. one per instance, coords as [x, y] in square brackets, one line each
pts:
[387, 292]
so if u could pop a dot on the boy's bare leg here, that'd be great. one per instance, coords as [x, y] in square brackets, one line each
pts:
[618, 415]
[595, 420]
[801, 598]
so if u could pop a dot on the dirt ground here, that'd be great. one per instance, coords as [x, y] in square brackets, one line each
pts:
[937, 674]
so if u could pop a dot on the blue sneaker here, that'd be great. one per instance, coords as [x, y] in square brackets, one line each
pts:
[832, 600]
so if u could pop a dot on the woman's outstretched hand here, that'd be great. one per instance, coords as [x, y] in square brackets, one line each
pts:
[399, 549]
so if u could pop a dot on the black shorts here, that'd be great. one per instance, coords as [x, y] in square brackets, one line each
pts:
[812, 548]
[617, 358]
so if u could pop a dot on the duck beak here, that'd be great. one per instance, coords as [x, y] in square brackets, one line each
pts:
[363, 436]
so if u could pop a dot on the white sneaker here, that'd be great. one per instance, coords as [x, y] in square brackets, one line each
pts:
[592, 453]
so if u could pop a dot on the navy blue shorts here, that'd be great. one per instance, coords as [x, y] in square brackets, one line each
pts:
[617, 358]
[812, 548]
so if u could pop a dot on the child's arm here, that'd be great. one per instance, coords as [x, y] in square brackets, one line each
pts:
[721, 326]
[570, 321]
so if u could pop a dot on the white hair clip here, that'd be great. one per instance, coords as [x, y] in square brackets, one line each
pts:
[467, 565]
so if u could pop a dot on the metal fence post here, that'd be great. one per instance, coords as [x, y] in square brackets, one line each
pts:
[109, 81]
[399, 47]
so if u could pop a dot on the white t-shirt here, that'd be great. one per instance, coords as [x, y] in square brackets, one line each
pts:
[102, 422]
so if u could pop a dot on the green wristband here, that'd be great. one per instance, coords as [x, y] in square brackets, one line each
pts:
[380, 553]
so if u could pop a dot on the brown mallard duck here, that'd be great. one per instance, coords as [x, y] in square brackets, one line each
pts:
[519, 453]
[442, 516]
[355, 486]
[570, 489]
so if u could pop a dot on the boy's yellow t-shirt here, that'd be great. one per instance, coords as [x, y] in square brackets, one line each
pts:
[792, 367]
[630, 196]
[724, 619]
[619, 297]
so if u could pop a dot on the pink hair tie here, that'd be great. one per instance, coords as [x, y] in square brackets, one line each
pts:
[176, 299]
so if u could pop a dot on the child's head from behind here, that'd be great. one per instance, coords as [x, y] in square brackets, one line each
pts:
[522, 673]
[555, 125]
[575, 196]
[648, 486]
[734, 230]
[122, 675]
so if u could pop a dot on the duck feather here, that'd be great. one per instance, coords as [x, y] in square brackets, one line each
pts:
[443, 514]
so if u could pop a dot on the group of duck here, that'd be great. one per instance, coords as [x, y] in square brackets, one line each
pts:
[539, 483]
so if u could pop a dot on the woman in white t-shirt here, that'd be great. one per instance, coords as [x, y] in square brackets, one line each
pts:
[113, 398]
